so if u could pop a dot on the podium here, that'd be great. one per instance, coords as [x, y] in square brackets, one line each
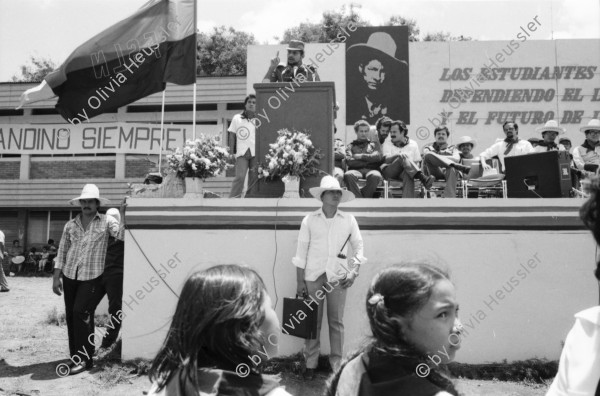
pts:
[307, 106]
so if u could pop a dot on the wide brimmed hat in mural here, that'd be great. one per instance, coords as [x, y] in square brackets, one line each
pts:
[295, 45]
[465, 140]
[90, 191]
[593, 125]
[329, 183]
[381, 46]
[551, 126]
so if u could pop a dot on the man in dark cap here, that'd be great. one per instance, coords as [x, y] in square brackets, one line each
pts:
[285, 73]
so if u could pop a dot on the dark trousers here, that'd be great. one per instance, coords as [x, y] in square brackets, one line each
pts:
[113, 284]
[81, 300]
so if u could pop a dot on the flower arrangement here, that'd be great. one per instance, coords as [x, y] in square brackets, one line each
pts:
[202, 158]
[293, 154]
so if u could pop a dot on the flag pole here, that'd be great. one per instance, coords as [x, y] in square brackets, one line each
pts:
[195, 66]
[162, 123]
[194, 115]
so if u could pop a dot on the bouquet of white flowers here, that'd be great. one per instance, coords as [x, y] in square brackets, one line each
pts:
[293, 154]
[202, 158]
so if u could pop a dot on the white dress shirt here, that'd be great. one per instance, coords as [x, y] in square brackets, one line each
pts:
[245, 132]
[582, 156]
[542, 149]
[321, 240]
[498, 149]
[579, 366]
[412, 149]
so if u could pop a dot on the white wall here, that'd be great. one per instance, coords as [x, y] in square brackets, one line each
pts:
[530, 321]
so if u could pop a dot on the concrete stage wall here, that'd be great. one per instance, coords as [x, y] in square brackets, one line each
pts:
[522, 267]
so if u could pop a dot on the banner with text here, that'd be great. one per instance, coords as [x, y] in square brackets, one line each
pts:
[118, 137]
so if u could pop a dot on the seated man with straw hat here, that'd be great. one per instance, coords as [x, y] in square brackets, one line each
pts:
[550, 132]
[465, 146]
[324, 273]
[587, 156]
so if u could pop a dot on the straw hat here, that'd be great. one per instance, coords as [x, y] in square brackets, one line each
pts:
[465, 140]
[90, 191]
[594, 124]
[550, 126]
[329, 183]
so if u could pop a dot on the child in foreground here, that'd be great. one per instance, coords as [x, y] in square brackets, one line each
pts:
[579, 366]
[223, 327]
[412, 312]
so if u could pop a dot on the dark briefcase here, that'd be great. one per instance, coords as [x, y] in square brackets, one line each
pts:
[300, 317]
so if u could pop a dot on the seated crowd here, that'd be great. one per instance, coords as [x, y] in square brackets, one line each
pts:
[393, 155]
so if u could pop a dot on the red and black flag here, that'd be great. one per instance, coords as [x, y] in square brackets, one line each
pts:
[126, 62]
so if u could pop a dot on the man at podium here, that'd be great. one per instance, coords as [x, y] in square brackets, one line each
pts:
[287, 73]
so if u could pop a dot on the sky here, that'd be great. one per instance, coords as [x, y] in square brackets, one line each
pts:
[54, 28]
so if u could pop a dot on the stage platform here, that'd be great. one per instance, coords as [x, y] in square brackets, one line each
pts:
[522, 267]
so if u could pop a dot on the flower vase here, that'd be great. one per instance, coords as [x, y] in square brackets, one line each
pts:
[292, 186]
[193, 188]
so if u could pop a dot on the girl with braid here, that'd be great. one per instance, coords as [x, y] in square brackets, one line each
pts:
[412, 312]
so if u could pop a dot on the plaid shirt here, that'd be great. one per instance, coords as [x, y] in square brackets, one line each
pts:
[81, 253]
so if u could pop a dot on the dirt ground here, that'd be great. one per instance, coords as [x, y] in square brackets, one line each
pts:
[31, 348]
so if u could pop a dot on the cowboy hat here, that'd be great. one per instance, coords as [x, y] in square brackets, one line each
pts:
[550, 126]
[465, 140]
[329, 183]
[490, 175]
[90, 191]
[594, 124]
[18, 260]
[378, 44]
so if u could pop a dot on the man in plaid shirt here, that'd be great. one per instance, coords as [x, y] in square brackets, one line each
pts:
[80, 261]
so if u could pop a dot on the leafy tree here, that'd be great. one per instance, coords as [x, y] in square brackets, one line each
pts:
[223, 52]
[35, 70]
[413, 29]
[445, 36]
[328, 28]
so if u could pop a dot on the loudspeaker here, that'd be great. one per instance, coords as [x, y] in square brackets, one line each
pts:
[545, 175]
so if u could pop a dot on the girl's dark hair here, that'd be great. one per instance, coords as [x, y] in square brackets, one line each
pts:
[589, 213]
[215, 325]
[401, 125]
[405, 288]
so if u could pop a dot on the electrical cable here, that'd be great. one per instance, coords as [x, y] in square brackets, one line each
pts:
[532, 190]
[275, 257]
[155, 270]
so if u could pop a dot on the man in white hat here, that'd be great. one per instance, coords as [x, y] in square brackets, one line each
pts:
[78, 272]
[587, 156]
[323, 271]
[465, 147]
[550, 132]
[286, 73]
[508, 147]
